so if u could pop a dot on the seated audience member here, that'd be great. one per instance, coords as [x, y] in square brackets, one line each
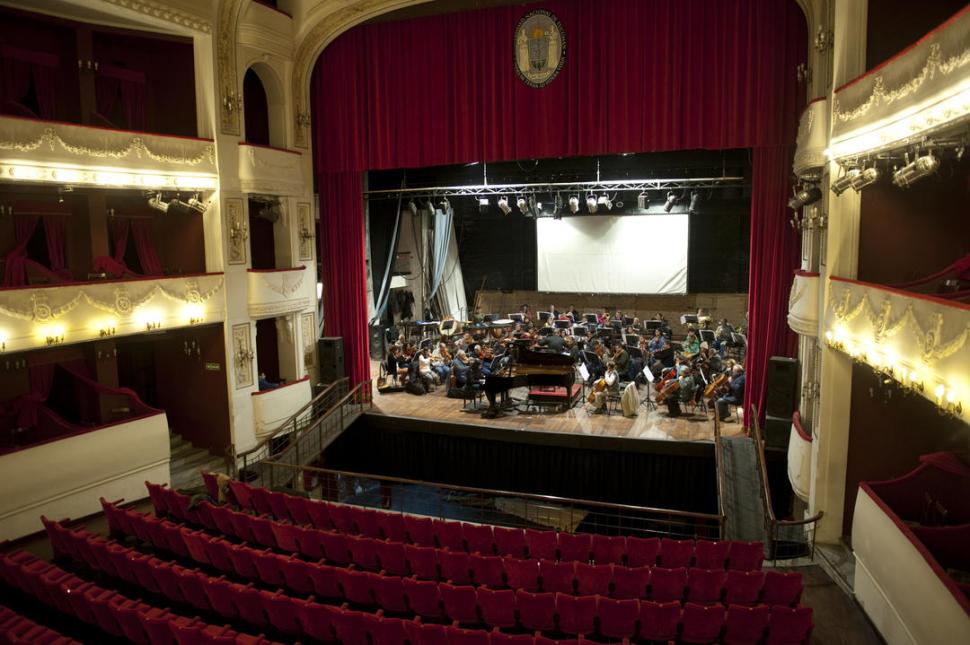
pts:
[735, 395]
[266, 384]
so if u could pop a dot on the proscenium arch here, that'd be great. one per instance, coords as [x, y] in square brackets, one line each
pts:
[329, 26]
[275, 101]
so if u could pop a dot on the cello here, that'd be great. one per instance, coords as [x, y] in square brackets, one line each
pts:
[716, 387]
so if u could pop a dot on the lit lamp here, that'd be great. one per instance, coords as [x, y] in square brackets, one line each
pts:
[238, 231]
[52, 334]
[194, 313]
[150, 319]
[3, 342]
[106, 328]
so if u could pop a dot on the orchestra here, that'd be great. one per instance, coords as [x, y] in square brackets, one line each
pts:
[616, 348]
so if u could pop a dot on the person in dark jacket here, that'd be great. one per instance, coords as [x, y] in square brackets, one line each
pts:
[735, 395]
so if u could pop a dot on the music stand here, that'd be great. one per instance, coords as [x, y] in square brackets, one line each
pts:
[562, 324]
[580, 330]
[546, 331]
[632, 340]
[516, 317]
[627, 321]
[650, 325]
[617, 325]
[490, 317]
[590, 319]
[688, 319]
[707, 335]
[739, 339]
[635, 352]
[545, 315]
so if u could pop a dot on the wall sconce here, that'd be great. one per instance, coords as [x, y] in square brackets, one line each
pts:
[244, 357]
[3, 342]
[194, 313]
[238, 231]
[232, 102]
[151, 325]
[192, 347]
[306, 234]
[55, 339]
[107, 354]
[823, 39]
[106, 328]
[303, 119]
[19, 364]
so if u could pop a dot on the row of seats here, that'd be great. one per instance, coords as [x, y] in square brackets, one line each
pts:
[543, 612]
[111, 612]
[655, 583]
[482, 538]
[16, 629]
[416, 531]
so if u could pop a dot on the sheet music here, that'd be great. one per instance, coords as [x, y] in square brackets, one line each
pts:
[648, 374]
[583, 372]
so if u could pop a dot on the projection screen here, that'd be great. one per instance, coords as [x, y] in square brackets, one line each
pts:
[613, 254]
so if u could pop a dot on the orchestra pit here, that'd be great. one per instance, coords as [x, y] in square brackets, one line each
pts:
[487, 322]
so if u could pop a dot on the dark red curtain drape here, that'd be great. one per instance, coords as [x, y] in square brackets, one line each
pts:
[14, 270]
[113, 83]
[640, 75]
[20, 67]
[55, 227]
[141, 230]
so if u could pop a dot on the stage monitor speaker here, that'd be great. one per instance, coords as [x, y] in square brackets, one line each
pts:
[777, 432]
[376, 335]
[331, 358]
[781, 397]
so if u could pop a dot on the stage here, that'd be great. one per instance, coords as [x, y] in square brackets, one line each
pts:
[648, 424]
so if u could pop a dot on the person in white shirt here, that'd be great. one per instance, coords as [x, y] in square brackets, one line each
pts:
[612, 382]
[424, 368]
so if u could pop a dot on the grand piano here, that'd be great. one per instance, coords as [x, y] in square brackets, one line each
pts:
[529, 368]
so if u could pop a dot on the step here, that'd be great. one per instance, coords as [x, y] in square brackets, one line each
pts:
[192, 458]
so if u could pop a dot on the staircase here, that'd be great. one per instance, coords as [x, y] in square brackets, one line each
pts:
[745, 515]
[187, 461]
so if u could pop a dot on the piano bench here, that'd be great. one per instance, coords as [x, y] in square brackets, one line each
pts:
[554, 395]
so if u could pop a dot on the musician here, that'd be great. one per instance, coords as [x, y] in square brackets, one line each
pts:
[397, 365]
[462, 369]
[610, 384]
[427, 375]
[711, 359]
[722, 336]
[572, 311]
[441, 362]
[594, 361]
[621, 358]
[688, 384]
[526, 314]
[664, 326]
[553, 341]
[658, 342]
[735, 395]
[692, 344]
[603, 319]
[554, 313]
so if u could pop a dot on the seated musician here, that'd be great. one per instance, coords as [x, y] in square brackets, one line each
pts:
[603, 319]
[688, 384]
[611, 382]
[658, 342]
[484, 359]
[704, 318]
[621, 358]
[691, 344]
[397, 365]
[711, 358]
[554, 342]
[462, 369]
[664, 326]
[571, 347]
[526, 314]
[441, 362]
[427, 375]
[735, 395]
[722, 335]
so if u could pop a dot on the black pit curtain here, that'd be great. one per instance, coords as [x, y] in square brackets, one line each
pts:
[675, 481]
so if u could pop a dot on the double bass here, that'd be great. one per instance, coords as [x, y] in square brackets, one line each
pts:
[667, 385]
[716, 387]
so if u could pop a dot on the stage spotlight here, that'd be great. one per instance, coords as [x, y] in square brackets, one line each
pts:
[178, 207]
[843, 183]
[574, 204]
[643, 202]
[605, 201]
[695, 199]
[913, 172]
[198, 205]
[503, 205]
[865, 178]
[523, 205]
[155, 201]
[412, 208]
[809, 194]
[483, 205]
[672, 199]
[444, 205]
[591, 204]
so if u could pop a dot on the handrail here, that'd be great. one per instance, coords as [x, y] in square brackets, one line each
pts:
[772, 523]
[290, 423]
[499, 493]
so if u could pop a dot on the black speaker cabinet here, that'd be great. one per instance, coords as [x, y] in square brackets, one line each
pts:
[331, 358]
[777, 432]
[781, 398]
[375, 333]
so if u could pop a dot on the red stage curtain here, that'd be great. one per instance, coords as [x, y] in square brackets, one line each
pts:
[639, 76]
[56, 238]
[141, 230]
[14, 271]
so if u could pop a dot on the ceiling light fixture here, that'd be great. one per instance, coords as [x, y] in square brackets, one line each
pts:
[695, 200]
[503, 205]
[574, 204]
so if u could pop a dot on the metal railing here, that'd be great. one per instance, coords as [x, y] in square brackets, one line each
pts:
[719, 465]
[786, 539]
[487, 506]
[279, 439]
[330, 417]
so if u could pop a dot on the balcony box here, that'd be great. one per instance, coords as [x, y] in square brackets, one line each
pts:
[65, 477]
[272, 407]
[270, 171]
[803, 304]
[274, 292]
[812, 140]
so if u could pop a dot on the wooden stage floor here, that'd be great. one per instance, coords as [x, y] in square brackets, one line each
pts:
[648, 424]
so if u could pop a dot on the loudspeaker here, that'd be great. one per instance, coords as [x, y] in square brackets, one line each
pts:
[331, 358]
[781, 397]
[375, 334]
[777, 432]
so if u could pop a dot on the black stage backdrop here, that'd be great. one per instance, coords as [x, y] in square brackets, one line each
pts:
[498, 251]
[669, 475]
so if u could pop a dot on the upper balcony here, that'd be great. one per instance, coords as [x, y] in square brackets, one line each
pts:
[44, 316]
[38, 151]
[803, 304]
[919, 340]
[274, 292]
[270, 171]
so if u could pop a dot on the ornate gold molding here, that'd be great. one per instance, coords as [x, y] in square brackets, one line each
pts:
[165, 12]
[230, 93]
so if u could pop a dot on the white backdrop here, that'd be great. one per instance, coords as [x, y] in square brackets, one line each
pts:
[613, 254]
